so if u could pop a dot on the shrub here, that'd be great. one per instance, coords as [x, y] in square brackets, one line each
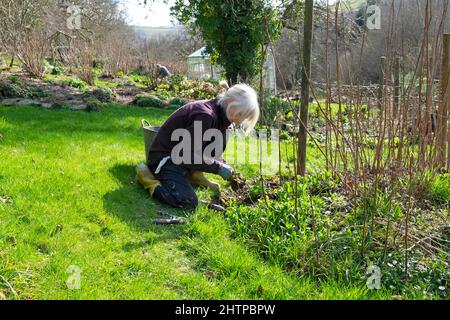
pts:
[138, 78]
[199, 90]
[175, 80]
[36, 92]
[53, 67]
[284, 135]
[188, 89]
[75, 83]
[13, 78]
[12, 90]
[440, 189]
[58, 105]
[93, 105]
[177, 102]
[272, 105]
[16, 89]
[56, 70]
[163, 93]
[143, 100]
[104, 94]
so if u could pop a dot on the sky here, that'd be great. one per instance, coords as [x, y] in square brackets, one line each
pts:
[155, 15]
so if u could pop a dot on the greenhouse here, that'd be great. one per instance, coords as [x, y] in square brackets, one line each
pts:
[200, 67]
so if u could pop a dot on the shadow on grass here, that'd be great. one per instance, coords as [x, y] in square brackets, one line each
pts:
[132, 204]
[114, 120]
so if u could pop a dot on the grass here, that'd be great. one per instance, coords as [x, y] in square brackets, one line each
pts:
[68, 197]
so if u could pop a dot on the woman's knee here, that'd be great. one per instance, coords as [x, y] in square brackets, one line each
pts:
[176, 196]
[184, 201]
[188, 202]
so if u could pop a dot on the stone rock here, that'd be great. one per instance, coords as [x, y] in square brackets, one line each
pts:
[46, 105]
[77, 105]
[20, 102]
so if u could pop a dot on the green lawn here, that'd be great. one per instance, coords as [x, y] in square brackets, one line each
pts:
[68, 197]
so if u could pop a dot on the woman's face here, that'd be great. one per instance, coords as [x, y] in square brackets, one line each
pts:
[234, 116]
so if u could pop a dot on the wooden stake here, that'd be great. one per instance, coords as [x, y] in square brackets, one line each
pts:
[306, 76]
[443, 112]
[381, 85]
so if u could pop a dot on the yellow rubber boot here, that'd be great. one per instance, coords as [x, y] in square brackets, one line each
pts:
[146, 178]
[198, 178]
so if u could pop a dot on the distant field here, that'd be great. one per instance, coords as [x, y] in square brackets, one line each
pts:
[150, 33]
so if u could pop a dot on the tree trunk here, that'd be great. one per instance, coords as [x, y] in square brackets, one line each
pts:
[306, 75]
[444, 105]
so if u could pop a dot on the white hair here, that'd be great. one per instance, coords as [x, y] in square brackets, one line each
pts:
[245, 100]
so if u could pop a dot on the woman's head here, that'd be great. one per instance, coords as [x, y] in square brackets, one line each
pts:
[241, 105]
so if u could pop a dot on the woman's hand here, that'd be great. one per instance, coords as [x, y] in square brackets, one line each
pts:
[225, 171]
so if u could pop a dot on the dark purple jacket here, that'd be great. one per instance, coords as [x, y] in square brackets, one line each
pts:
[209, 112]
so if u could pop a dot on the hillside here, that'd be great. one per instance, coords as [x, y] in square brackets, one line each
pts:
[152, 33]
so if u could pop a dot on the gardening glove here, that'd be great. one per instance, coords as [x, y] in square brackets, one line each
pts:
[225, 171]
[197, 177]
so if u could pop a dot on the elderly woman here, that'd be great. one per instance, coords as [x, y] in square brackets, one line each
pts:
[170, 181]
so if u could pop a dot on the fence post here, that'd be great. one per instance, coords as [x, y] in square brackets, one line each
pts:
[381, 84]
[306, 76]
[396, 86]
[443, 112]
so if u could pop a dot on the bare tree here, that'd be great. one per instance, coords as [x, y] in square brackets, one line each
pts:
[22, 32]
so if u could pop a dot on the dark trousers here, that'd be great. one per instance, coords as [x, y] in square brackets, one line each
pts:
[175, 189]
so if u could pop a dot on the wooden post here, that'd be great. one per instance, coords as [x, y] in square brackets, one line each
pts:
[306, 76]
[443, 112]
[381, 84]
[396, 86]
[261, 85]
